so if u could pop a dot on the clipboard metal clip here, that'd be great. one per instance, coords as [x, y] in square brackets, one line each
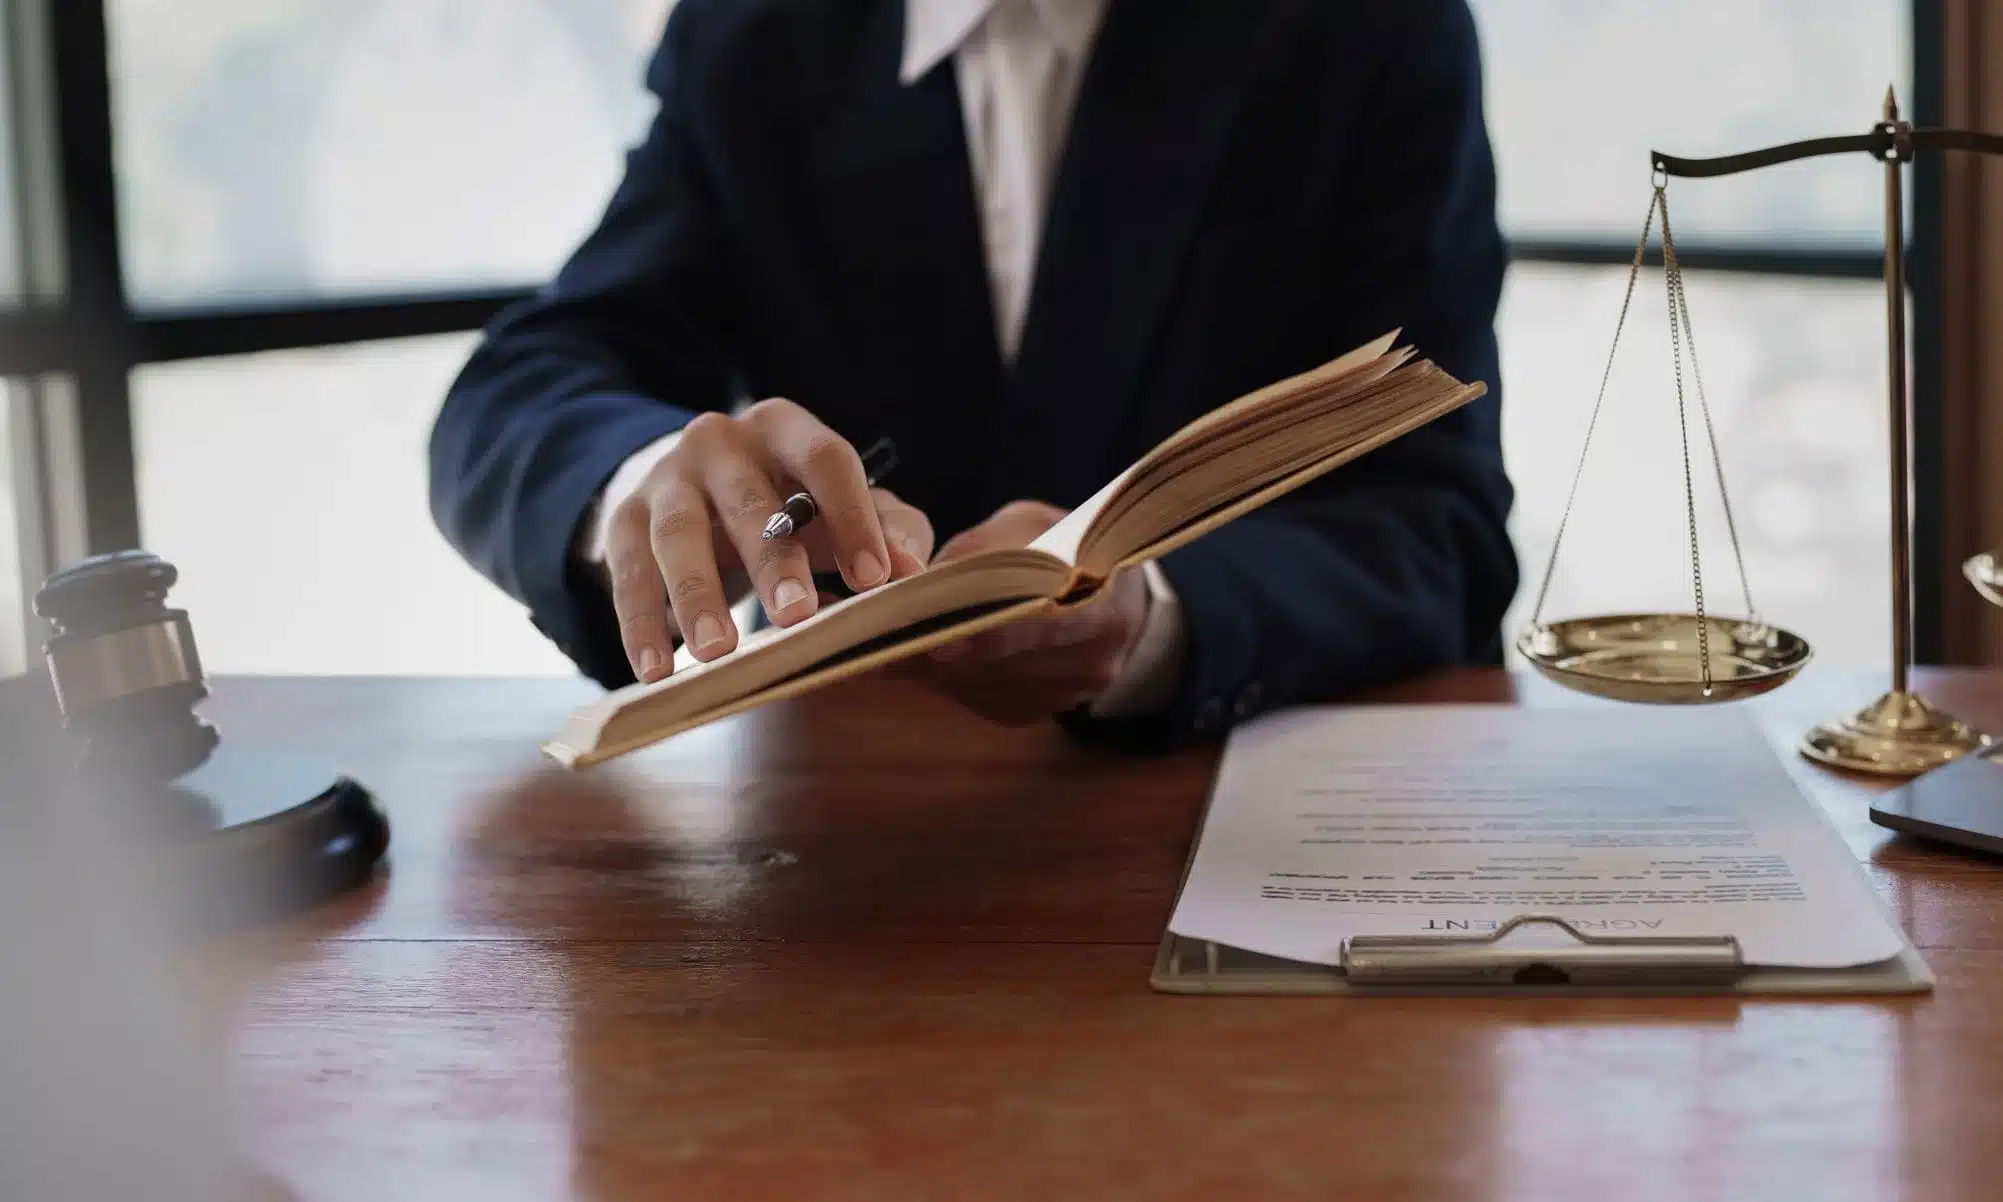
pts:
[1547, 950]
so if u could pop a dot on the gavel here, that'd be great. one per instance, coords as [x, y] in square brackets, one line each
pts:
[277, 826]
[126, 671]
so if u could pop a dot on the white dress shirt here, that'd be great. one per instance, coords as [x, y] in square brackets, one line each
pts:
[1018, 64]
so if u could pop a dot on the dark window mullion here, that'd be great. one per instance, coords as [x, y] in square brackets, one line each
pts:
[99, 326]
[198, 334]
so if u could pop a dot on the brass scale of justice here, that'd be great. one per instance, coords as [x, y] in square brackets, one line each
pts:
[1702, 657]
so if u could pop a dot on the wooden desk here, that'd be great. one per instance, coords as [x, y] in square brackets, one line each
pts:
[860, 946]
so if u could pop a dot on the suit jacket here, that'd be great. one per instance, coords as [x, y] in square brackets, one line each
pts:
[1250, 187]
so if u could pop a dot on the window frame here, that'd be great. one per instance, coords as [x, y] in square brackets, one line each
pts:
[87, 332]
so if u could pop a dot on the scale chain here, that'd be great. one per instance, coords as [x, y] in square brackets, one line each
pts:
[1592, 423]
[1682, 302]
[1672, 272]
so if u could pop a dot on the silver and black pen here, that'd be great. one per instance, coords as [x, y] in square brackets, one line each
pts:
[800, 509]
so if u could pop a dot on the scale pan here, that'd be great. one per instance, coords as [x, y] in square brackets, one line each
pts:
[1986, 575]
[1653, 658]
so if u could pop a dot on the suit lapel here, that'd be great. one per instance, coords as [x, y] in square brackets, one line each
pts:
[1154, 117]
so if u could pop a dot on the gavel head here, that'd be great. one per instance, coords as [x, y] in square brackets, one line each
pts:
[126, 672]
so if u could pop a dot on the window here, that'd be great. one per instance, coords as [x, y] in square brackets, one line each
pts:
[350, 147]
[290, 491]
[1578, 92]
[327, 148]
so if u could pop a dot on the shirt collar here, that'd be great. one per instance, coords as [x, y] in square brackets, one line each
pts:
[935, 29]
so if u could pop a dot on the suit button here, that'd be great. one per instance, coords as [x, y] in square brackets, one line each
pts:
[1210, 716]
[1248, 700]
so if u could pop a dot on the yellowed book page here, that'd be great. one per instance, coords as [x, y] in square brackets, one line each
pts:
[635, 715]
[1107, 560]
[582, 744]
[1203, 485]
[1357, 369]
[1278, 439]
[1064, 539]
[1366, 364]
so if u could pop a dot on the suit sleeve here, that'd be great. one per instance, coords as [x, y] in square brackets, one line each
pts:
[628, 343]
[1400, 562]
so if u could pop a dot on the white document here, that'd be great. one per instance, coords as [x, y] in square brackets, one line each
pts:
[1410, 820]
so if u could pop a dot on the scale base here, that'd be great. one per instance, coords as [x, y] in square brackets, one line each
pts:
[1899, 734]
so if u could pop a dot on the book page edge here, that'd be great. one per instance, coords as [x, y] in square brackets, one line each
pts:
[570, 756]
[1307, 475]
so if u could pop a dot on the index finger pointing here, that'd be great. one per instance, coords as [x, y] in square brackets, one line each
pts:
[832, 473]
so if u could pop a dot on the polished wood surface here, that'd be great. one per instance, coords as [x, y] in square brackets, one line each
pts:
[861, 946]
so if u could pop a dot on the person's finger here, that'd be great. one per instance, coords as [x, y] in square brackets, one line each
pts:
[831, 472]
[906, 531]
[637, 596]
[1016, 524]
[974, 540]
[743, 496]
[903, 563]
[684, 553]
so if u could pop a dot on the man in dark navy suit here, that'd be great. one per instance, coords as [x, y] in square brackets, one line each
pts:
[1026, 240]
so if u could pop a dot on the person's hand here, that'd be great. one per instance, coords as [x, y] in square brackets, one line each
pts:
[690, 537]
[1026, 671]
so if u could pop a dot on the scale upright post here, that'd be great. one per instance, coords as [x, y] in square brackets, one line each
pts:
[1901, 733]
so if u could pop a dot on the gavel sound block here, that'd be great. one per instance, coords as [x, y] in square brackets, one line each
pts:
[269, 826]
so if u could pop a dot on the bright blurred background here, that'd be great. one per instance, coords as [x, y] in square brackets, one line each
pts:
[299, 152]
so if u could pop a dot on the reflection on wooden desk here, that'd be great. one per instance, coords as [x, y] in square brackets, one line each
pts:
[861, 945]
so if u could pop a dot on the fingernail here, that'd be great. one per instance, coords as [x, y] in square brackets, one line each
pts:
[650, 663]
[910, 543]
[708, 632]
[789, 593]
[869, 569]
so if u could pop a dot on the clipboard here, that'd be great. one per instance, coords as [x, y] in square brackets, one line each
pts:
[1531, 955]
[1496, 964]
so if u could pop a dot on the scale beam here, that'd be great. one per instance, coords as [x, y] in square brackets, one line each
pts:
[1888, 142]
[1877, 144]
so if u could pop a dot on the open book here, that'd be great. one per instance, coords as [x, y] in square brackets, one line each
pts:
[1224, 464]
